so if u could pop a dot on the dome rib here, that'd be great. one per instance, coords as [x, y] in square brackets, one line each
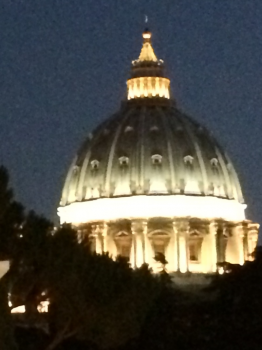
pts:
[168, 139]
[112, 153]
[199, 156]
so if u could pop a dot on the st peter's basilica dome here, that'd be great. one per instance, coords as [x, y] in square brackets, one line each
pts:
[151, 164]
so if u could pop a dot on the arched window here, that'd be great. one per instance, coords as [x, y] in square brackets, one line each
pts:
[123, 161]
[194, 248]
[160, 241]
[129, 128]
[94, 164]
[188, 160]
[214, 162]
[75, 169]
[123, 242]
[214, 166]
[156, 159]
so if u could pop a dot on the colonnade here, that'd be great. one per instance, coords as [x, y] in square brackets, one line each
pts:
[219, 241]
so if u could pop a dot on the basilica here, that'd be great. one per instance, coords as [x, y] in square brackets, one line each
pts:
[151, 179]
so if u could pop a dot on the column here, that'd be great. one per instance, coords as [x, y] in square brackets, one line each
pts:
[148, 251]
[245, 241]
[111, 245]
[220, 243]
[239, 235]
[249, 244]
[232, 248]
[105, 238]
[96, 234]
[182, 229]
[133, 248]
[139, 243]
[176, 247]
[171, 253]
[182, 252]
[209, 250]
[252, 236]
[213, 246]
[144, 228]
[186, 233]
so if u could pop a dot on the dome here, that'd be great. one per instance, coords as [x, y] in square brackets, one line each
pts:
[150, 159]
[150, 149]
[152, 180]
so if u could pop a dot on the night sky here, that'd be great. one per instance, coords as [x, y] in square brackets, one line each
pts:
[63, 70]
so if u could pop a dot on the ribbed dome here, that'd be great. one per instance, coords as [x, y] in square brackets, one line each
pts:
[150, 148]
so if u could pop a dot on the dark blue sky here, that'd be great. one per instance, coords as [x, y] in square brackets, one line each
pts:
[64, 64]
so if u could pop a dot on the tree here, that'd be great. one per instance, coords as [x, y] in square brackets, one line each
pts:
[29, 252]
[7, 341]
[11, 216]
[97, 299]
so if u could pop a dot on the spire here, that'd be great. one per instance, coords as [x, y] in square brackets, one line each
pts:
[147, 73]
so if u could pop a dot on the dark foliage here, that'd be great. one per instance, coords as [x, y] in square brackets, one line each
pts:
[98, 303]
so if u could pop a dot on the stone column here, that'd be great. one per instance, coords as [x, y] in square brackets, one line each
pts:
[182, 252]
[176, 247]
[252, 236]
[249, 244]
[136, 230]
[209, 250]
[133, 248]
[182, 242]
[171, 253]
[96, 234]
[234, 248]
[111, 244]
[187, 229]
[220, 242]
[245, 241]
[148, 251]
[105, 238]
[239, 235]
[144, 228]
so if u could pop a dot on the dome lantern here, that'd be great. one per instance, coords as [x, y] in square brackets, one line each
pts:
[147, 74]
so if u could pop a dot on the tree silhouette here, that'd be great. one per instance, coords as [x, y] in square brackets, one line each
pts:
[11, 216]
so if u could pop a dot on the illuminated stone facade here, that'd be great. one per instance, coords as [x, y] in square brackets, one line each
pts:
[151, 180]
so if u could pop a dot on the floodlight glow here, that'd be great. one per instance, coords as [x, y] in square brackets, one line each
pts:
[134, 207]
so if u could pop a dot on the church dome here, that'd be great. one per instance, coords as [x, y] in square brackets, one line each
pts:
[150, 159]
